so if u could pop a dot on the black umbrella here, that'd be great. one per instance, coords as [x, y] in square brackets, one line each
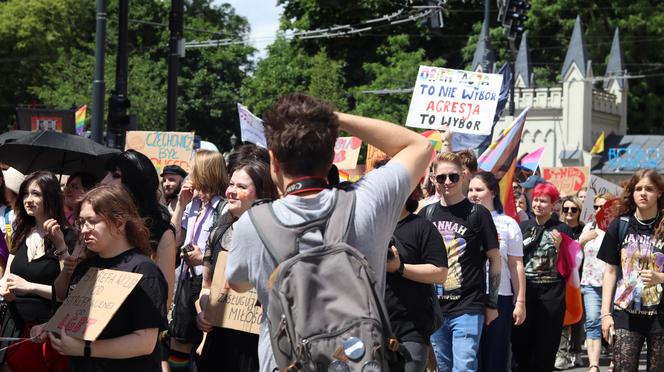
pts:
[53, 151]
[13, 135]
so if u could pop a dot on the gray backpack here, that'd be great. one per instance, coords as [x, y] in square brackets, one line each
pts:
[324, 312]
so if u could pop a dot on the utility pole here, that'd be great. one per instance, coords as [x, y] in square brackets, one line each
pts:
[118, 103]
[174, 45]
[98, 85]
[485, 60]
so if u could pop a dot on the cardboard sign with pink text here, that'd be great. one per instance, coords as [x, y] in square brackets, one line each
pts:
[568, 180]
[93, 303]
[346, 152]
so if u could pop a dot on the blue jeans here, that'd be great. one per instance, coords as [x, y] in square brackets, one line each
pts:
[592, 303]
[456, 344]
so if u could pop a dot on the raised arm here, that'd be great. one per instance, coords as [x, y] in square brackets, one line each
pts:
[404, 146]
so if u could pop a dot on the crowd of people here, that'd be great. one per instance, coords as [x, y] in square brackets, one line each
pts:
[466, 287]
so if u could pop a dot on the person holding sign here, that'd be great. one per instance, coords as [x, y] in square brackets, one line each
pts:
[250, 180]
[116, 238]
[633, 251]
[41, 241]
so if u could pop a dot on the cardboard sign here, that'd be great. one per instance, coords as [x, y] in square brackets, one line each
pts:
[163, 148]
[596, 186]
[92, 304]
[464, 101]
[346, 152]
[607, 213]
[568, 180]
[229, 309]
[373, 155]
[251, 127]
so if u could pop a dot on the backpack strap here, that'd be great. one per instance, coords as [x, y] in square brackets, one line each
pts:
[282, 241]
[623, 223]
[429, 209]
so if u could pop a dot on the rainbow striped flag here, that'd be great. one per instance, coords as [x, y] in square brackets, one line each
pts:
[80, 119]
[501, 158]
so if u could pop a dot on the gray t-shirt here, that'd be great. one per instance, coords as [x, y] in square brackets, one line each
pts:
[380, 197]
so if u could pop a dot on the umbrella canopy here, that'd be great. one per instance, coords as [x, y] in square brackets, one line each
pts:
[53, 151]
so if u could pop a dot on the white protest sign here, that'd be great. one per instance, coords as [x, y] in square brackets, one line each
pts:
[464, 100]
[597, 185]
[92, 304]
[251, 127]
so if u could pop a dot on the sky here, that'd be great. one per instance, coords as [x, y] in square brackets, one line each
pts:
[263, 16]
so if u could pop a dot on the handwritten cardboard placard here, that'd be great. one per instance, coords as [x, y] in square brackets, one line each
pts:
[568, 180]
[92, 304]
[463, 100]
[227, 308]
[346, 152]
[596, 186]
[251, 127]
[373, 155]
[163, 148]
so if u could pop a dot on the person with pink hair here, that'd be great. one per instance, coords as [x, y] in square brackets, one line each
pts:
[535, 342]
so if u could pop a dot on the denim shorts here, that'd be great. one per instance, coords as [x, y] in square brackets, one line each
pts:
[592, 303]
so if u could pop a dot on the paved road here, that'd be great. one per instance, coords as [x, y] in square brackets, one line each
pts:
[604, 364]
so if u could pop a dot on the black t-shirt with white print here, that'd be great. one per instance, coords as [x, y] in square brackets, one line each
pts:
[639, 250]
[467, 237]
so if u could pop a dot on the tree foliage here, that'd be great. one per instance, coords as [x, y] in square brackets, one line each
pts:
[57, 70]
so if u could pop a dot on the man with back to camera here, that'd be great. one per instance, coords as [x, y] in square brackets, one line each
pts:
[301, 132]
[172, 177]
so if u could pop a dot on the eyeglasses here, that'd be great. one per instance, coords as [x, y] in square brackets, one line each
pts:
[516, 187]
[454, 177]
[570, 209]
[82, 223]
[596, 207]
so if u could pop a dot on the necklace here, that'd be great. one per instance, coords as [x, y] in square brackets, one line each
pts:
[35, 245]
[646, 224]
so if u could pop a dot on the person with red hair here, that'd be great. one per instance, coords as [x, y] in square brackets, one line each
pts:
[535, 342]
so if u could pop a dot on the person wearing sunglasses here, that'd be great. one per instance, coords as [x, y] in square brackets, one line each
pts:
[470, 238]
[591, 283]
[569, 351]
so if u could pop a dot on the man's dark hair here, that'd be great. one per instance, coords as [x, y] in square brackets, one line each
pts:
[301, 132]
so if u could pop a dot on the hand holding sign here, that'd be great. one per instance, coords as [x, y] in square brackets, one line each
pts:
[92, 304]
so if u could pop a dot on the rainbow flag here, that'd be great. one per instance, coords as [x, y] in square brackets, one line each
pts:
[80, 119]
[435, 138]
[501, 158]
[531, 161]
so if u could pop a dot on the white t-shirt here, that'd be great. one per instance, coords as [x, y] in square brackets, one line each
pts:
[510, 242]
[380, 197]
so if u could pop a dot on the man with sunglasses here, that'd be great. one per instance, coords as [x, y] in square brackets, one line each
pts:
[470, 238]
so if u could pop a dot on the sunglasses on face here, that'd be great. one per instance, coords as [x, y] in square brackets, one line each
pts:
[454, 178]
[570, 209]
[596, 207]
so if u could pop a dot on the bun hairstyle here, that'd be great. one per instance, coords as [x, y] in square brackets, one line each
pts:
[116, 206]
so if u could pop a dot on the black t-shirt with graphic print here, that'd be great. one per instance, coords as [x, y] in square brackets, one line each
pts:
[639, 250]
[539, 251]
[467, 237]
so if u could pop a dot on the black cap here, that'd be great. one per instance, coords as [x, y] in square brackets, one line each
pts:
[173, 169]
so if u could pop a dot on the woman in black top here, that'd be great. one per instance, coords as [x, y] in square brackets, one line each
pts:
[39, 245]
[571, 214]
[250, 180]
[116, 238]
[136, 172]
[632, 250]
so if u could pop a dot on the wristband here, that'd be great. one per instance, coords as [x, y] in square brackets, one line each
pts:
[86, 350]
[401, 268]
[605, 315]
